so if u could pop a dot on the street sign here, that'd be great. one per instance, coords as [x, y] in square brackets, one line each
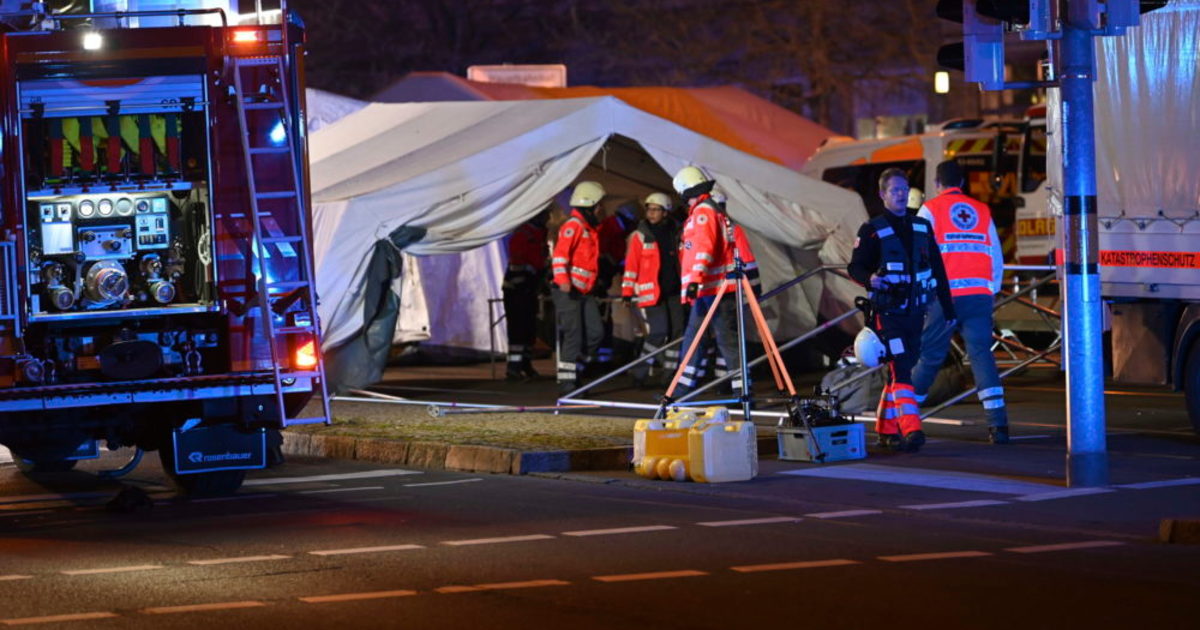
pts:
[534, 75]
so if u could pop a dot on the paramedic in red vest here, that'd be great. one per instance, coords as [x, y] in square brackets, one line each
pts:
[651, 282]
[526, 262]
[974, 262]
[897, 260]
[576, 264]
[705, 259]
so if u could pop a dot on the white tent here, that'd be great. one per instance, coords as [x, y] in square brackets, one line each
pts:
[471, 172]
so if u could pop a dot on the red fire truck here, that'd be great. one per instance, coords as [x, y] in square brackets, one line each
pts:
[156, 275]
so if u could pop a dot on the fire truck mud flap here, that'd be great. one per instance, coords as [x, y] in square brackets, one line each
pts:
[217, 448]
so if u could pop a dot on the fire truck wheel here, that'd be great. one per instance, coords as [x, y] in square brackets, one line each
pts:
[38, 466]
[1191, 385]
[210, 484]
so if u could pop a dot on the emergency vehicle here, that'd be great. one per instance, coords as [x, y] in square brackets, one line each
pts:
[156, 273]
[1147, 197]
[1004, 162]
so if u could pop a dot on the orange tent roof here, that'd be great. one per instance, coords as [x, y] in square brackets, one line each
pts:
[727, 114]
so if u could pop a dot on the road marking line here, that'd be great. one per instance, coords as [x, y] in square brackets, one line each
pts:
[446, 590]
[489, 541]
[784, 566]
[1063, 494]
[349, 597]
[1091, 544]
[946, 480]
[142, 567]
[54, 618]
[619, 530]
[1186, 481]
[167, 610]
[441, 483]
[954, 505]
[914, 557]
[661, 575]
[342, 552]
[843, 513]
[330, 490]
[368, 474]
[752, 521]
[235, 560]
[10, 578]
[499, 586]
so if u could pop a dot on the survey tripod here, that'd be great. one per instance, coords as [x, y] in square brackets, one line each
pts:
[744, 294]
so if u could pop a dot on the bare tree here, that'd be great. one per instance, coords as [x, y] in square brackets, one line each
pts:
[812, 56]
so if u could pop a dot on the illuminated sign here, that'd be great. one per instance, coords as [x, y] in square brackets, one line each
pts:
[1164, 260]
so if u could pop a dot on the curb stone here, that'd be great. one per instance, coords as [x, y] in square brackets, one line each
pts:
[458, 457]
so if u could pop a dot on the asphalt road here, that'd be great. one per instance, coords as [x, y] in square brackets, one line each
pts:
[901, 541]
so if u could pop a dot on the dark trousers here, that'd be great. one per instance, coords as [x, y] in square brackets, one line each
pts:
[579, 332]
[520, 314]
[665, 320]
[723, 326]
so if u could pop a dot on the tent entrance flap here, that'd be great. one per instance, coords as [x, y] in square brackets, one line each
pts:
[360, 360]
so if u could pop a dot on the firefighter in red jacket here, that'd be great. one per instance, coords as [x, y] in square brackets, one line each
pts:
[706, 259]
[526, 262]
[651, 281]
[750, 267]
[576, 265]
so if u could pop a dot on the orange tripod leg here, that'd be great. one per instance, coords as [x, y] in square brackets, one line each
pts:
[776, 358]
[687, 357]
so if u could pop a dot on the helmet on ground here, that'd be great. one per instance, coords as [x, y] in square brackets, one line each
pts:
[869, 348]
[586, 194]
[659, 199]
[689, 179]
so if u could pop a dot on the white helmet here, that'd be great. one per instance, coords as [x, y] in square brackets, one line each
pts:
[659, 199]
[869, 349]
[689, 177]
[586, 194]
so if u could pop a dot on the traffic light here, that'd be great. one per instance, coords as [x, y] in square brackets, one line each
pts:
[980, 55]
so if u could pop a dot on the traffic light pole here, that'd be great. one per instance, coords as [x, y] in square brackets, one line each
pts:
[1087, 456]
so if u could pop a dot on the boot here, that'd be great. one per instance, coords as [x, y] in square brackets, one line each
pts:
[913, 441]
[528, 371]
[889, 441]
[998, 434]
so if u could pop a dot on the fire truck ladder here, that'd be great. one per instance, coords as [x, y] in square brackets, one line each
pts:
[289, 207]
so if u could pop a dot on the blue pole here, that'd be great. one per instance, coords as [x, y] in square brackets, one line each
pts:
[1087, 457]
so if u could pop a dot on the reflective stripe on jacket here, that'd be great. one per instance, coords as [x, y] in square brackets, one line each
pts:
[967, 240]
[576, 254]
